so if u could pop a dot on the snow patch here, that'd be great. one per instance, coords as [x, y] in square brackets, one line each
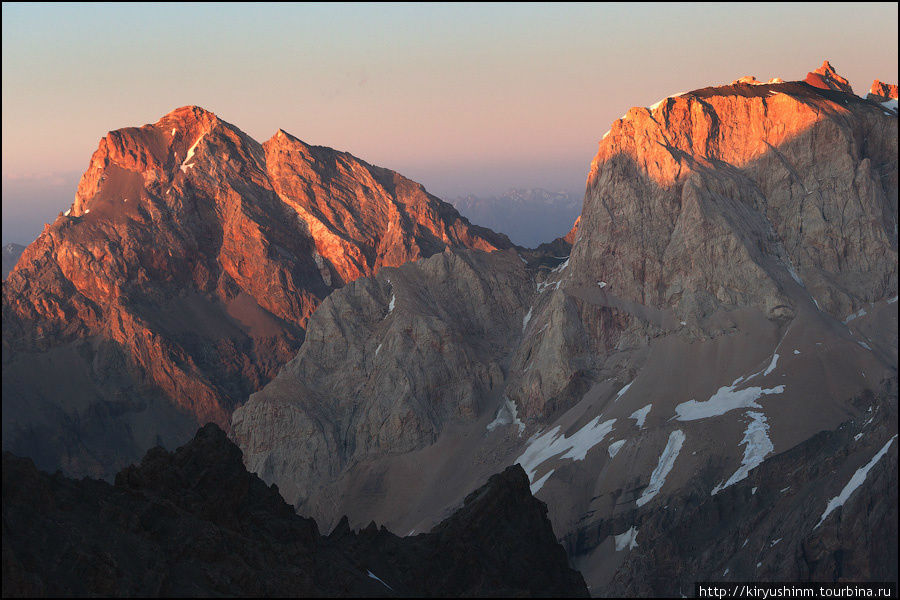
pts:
[796, 351]
[392, 303]
[66, 214]
[561, 267]
[890, 104]
[543, 447]
[860, 313]
[174, 130]
[622, 391]
[627, 539]
[772, 365]
[775, 542]
[857, 480]
[508, 414]
[865, 345]
[724, 400]
[663, 467]
[377, 349]
[602, 284]
[378, 579]
[537, 485]
[526, 319]
[892, 300]
[794, 275]
[615, 447]
[757, 446]
[640, 416]
[87, 211]
[190, 155]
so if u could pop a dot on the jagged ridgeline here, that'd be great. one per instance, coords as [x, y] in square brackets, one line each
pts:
[182, 279]
[195, 523]
[729, 298]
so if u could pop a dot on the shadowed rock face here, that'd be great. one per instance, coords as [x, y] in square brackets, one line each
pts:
[196, 523]
[769, 527]
[183, 276]
[730, 293]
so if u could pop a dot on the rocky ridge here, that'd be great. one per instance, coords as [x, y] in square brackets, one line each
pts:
[195, 523]
[182, 279]
[882, 92]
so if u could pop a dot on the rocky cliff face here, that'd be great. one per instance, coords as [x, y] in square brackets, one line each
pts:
[196, 523]
[730, 294]
[182, 279]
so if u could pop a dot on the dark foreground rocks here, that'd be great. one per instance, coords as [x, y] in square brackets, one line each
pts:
[194, 522]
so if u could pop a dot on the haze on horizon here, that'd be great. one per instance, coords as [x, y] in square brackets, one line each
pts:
[462, 98]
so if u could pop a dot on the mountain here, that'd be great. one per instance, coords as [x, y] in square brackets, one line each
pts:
[195, 523]
[882, 92]
[182, 279]
[11, 254]
[708, 381]
[528, 216]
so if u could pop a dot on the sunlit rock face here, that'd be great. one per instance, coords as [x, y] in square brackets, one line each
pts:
[747, 195]
[827, 78]
[182, 279]
[730, 294]
[882, 92]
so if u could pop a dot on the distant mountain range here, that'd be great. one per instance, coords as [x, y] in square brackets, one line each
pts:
[11, 254]
[528, 216]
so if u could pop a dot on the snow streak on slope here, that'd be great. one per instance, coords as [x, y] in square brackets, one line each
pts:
[725, 399]
[640, 416]
[542, 448]
[666, 462]
[757, 446]
[857, 480]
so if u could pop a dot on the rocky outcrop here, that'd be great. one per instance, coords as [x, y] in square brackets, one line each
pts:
[185, 271]
[882, 92]
[196, 523]
[11, 254]
[420, 347]
[827, 78]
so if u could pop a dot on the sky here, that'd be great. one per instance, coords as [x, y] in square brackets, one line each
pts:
[464, 98]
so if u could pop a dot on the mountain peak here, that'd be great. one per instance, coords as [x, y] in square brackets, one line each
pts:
[189, 112]
[883, 91]
[826, 77]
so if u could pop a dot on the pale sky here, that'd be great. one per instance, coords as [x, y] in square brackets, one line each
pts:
[462, 98]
